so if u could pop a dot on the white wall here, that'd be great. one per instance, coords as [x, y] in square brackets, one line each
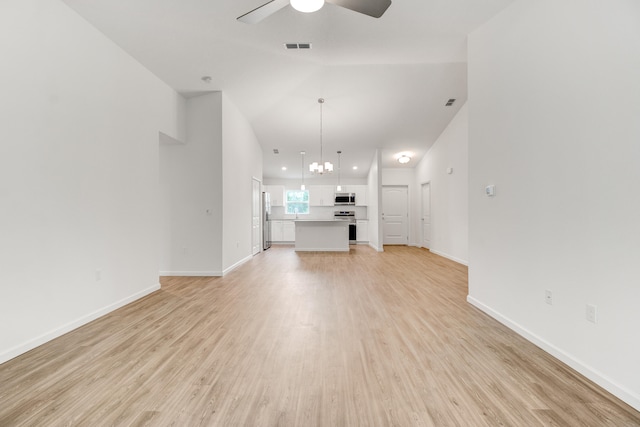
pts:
[242, 161]
[449, 192]
[374, 183]
[553, 123]
[207, 190]
[78, 173]
[191, 186]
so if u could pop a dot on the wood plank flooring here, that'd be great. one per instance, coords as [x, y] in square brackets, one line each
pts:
[303, 339]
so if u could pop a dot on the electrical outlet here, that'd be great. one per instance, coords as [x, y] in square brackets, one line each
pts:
[548, 297]
[592, 312]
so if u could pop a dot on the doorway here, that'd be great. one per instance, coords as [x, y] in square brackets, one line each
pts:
[395, 215]
[426, 216]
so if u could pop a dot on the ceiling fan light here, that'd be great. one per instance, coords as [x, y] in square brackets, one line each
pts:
[307, 6]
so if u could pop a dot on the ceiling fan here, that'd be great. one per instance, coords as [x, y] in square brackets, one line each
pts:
[373, 8]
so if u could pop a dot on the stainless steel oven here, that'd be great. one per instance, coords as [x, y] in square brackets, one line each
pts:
[349, 216]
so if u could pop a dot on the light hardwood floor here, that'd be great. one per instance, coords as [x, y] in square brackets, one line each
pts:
[304, 339]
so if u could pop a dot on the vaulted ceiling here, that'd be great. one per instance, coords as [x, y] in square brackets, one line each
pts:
[385, 81]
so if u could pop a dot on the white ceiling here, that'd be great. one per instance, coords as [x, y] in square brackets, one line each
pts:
[385, 81]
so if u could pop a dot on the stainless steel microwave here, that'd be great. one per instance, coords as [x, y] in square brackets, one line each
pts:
[345, 199]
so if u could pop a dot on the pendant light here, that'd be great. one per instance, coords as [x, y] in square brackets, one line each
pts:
[322, 167]
[339, 187]
[302, 187]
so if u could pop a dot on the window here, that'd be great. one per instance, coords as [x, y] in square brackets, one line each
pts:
[297, 202]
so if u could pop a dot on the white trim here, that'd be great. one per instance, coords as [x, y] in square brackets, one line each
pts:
[57, 332]
[375, 247]
[237, 264]
[191, 273]
[421, 230]
[322, 250]
[206, 273]
[451, 257]
[624, 394]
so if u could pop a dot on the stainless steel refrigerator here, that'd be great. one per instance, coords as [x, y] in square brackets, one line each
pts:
[266, 224]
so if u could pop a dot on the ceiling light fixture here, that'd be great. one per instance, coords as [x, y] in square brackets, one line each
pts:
[404, 158]
[284, 168]
[206, 79]
[307, 6]
[321, 167]
[302, 187]
[339, 187]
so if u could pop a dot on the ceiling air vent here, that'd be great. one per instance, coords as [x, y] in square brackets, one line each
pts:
[290, 46]
[275, 151]
[450, 102]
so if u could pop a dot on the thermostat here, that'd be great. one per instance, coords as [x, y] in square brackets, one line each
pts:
[490, 190]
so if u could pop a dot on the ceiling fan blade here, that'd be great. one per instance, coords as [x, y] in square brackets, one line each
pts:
[373, 8]
[261, 12]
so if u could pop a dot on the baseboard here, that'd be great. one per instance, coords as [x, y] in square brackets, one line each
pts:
[322, 250]
[447, 256]
[208, 273]
[38, 341]
[191, 273]
[236, 265]
[622, 393]
[377, 249]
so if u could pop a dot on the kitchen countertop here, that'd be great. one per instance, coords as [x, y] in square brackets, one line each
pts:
[319, 220]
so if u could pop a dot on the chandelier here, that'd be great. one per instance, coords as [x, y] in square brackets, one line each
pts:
[322, 167]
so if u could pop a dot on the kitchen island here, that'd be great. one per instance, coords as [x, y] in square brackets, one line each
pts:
[327, 235]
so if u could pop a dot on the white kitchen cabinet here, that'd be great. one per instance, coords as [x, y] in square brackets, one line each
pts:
[289, 231]
[277, 194]
[362, 230]
[277, 231]
[321, 195]
[283, 231]
[360, 192]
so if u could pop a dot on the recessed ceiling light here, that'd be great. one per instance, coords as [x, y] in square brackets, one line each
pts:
[355, 168]
[284, 168]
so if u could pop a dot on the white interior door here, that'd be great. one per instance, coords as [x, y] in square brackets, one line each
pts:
[395, 215]
[426, 215]
[256, 215]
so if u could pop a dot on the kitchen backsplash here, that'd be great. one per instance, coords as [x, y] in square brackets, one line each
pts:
[319, 212]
